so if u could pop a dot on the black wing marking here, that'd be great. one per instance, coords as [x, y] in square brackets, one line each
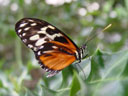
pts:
[35, 33]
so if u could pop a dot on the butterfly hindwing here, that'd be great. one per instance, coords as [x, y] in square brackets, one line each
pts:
[57, 60]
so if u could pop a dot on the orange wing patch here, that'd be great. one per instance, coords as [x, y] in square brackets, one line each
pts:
[57, 60]
[68, 45]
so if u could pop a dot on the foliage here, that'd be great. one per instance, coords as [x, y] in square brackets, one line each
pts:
[105, 71]
[108, 72]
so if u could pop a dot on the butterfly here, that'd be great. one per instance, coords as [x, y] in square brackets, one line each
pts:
[53, 49]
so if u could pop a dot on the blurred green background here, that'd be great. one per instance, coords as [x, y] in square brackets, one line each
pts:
[20, 75]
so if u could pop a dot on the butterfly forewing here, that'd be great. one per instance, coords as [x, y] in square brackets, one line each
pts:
[34, 33]
[52, 48]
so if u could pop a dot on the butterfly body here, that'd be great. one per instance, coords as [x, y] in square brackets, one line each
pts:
[52, 48]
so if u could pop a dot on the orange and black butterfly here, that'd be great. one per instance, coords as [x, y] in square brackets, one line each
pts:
[52, 48]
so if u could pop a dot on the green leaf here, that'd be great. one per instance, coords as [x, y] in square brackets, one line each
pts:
[104, 79]
[78, 86]
[75, 87]
[126, 4]
[1, 84]
[49, 92]
[66, 75]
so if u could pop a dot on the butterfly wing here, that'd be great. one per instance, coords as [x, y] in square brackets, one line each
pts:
[52, 48]
[55, 60]
[35, 32]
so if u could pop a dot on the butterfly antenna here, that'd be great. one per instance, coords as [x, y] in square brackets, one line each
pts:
[89, 39]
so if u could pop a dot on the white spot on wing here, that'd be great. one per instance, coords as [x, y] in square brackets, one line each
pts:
[49, 26]
[24, 40]
[43, 31]
[23, 24]
[48, 51]
[54, 47]
[20, 35]
[33, 24]
[40, 42]
[34, 37]
[35, 49]
[46, 69]
[49, 70]
[39, 53]
[19, 30]
[23, 34]
[41, 47]
[44, 28]
[30, 20]
[55, 35]
[30, 46]
[27, 28]
[41, 65]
